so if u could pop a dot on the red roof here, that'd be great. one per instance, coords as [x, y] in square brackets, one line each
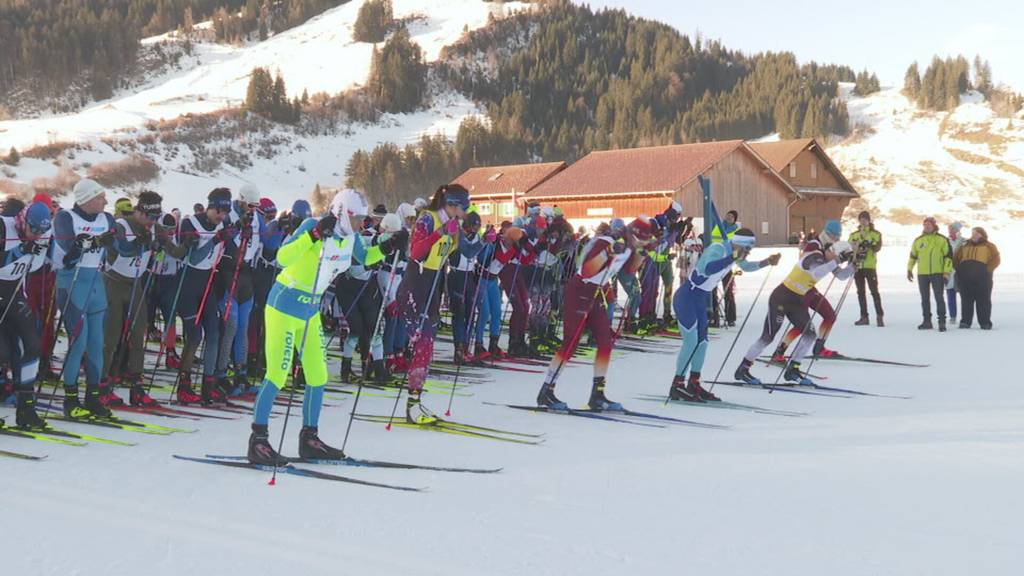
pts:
[491, 181]
[637, 171]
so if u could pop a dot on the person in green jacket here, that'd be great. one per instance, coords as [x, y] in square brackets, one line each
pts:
[931, 253]
[868, 242]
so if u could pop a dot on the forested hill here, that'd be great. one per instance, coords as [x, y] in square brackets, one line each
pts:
[565, 80]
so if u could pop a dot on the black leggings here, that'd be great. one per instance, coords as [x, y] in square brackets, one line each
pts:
[783, 304]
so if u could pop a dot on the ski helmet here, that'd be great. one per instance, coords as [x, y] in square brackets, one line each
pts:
[745, 238]
[249, 194]
[34, 219]
[832, 232]
[391, 223]
[346, 204]
[406, 210]
[301, 209]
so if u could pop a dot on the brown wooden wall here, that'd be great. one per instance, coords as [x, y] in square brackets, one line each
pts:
[803, 161]
[813, 212]
[739, 182]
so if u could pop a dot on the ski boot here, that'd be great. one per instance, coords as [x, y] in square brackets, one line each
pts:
[242, 384]
[260, 450]
[693, 387]
[546, 399]
[821, 352]
[480, 352]
[347, 376]
[139, 398]
[743, 374]
[380, 372]
[416, 413]
[225, 386]
[94, 405]
[495, 351]
[26, 416]
[107, 396]
[679, 391]
[211, 392]
[186, 395]
[795, 376]
[942, 324]
[926, 325]
[173, 361]
[312, 447]
[880, 322]
[517, 347]
[863, 321]
[73, 408]
[469, 359]
[598, 401]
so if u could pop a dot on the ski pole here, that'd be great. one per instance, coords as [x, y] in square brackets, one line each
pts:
[839, 306]
[740, 331]
[129, 321]
[313, 304]
[376, 327]
[469, 323]
[72, 337]
[422, 320]
[173, 320]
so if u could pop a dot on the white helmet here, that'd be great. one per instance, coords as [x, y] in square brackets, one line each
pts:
[406, 210]
[348, 203]
[249, 194]
[391, 223]
[419, 204]
[87, 189]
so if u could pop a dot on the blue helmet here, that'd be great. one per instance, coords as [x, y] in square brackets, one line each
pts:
[617, 224]
[834, 230]
[36, 218]
[301, 209]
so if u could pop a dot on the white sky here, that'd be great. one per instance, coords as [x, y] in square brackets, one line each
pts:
[884, 36]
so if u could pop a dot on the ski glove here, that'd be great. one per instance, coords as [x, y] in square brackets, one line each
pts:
[395, 241]
[324, 228]
[32, 247]
[773, 260]
[224, 234]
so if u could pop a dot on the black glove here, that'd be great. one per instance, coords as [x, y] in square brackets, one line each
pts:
[844, 257]
[324, 228]
[395, 242]
[83, 242]
[224, 234]
[618, 247]
[106, 240]
[144, 237]
[32, 247]
[246, 231]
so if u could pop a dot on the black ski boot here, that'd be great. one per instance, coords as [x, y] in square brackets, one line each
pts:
[679, 391]
[260, 450]
[73, 408]
[313, 448]
[880, 322]
[495, 351]
[598, 401]
[346, 371]
[139, 398]
[942, 324]
[94, 405]
[546, 399]
[743, 373]
[380, 372]
[863, 321]
[26, 416]
[211, 392]
[926, 325]
[794, 375]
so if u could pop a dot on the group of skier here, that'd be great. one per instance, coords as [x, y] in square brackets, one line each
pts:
[260, 294]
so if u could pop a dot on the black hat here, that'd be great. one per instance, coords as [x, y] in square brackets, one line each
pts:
[380, 211]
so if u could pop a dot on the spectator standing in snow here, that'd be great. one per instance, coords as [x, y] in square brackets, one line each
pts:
[956, 240]
[975, 261]
[931, 254]
[868, 242]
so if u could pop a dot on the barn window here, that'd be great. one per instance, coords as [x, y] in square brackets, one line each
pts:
[507, 209]
[814, 170]
[485, 209]
[792, 169]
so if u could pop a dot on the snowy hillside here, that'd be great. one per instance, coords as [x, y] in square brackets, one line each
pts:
[319, 56]
[965, 165]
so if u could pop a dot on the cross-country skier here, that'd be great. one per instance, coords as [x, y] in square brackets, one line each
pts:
[816, 301]
[586, 306]
[26, 239]
[788, 301]
[434, 238]
[82, 236]
[128, 265]
[691, 303]
[310, 259]
[205, 236]
[462, 284]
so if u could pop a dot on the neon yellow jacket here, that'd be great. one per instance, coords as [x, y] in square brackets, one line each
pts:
[931, 254]
[872, 239]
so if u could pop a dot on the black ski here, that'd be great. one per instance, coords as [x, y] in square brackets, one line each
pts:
[579, 413]
[358, 462]
[290, 469]
[779, 387]
[20, 456]
[722, 404]
[872, 361]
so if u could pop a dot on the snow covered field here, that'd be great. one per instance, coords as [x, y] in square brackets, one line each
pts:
[861, 485]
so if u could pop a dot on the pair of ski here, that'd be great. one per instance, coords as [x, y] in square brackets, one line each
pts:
[863, 360]
[445, 426]
[722, 404]
[58, 436]
[115, 422]
[20, 455]
[808, 389]
[623, 416]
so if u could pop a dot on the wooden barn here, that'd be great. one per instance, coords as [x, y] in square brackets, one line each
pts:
[497, 191]
[825, 192]
[643, 181]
